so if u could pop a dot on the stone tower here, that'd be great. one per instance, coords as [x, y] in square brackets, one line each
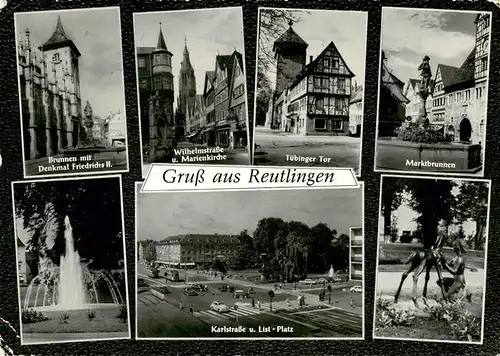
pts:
[161, 111]
[62, 52]
[290, 56]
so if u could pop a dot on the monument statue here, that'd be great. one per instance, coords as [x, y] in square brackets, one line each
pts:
[425, 88]
[88, 121]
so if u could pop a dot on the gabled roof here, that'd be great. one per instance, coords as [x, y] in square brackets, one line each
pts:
[290, 36]
[310, 67]
[453, 76]
[357, 95]
[209, 79]
[415, 85]
[59, 39]
[20, 243]
[222, 61]
[393, 84]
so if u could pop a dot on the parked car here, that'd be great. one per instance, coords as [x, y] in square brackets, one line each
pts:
[199, 287]
[356, 289]
[321, 280]
[307, 281]
[189, 292]
[142, 286]
[219, 307]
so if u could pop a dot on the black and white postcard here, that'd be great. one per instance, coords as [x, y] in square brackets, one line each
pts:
[71, 92]
[192, 87]
[433, 91]
[212, 266]
[309, 88]
[71, 263]
[431, 268]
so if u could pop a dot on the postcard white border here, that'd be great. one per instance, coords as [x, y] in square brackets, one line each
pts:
[256, 74]
[374, 337]
[143, 170]
[123, 109]
[124, 259]
[479, 174]
[362, 337]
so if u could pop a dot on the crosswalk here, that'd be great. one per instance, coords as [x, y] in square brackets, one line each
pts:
[246, 310]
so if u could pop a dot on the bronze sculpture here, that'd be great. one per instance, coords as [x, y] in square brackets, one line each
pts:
[424, 260]
[425, 88]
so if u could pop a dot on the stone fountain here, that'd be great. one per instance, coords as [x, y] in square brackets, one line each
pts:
[71, 286]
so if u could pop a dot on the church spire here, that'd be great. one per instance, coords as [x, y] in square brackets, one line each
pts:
[59, 39]
[186, 62]
[161, 45]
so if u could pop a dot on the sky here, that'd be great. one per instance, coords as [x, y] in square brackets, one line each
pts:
[97, 35]
[166, 214]
[447, 37]
[207, 32]
[406, 218]
[347, 30]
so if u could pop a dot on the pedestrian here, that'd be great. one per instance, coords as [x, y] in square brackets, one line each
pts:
[191, 309]
[253, 303]
[181, 305]
[258, 304]
[287, 301]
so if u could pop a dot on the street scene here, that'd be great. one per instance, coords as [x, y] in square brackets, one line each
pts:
[434, 232]
[309, 112]
[279, 278]
[433, 104]
[192, 87]
[72, 102]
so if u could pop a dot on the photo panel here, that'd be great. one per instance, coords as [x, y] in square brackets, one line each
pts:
[310, 77]
[192, 87]
[71, 92]
[292, 269]
[431, 260]
[71, 260]
[432, 104]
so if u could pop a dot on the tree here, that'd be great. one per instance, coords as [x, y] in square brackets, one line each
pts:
[264, 95]
[392, 197]
[472, 204]
[218, 265]
[340, 260]
[94, 209]
[265, 234]
[271, 296]
[433, 200]
[321, 248]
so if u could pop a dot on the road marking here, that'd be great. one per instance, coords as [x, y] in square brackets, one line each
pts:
[317, 310]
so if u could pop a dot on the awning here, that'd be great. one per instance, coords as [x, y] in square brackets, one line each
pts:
[396, 93]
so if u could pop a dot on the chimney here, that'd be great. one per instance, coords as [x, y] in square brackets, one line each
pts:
[310, 59]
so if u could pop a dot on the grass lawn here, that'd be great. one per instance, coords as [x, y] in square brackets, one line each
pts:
[105, 320]
[421, 328]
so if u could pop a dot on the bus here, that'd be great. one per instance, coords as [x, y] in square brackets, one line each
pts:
[172, 275]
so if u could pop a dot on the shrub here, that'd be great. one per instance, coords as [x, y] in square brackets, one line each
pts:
[91, 314]
[414, 132]
[29, 316]
[463, 326]
[123, 313]
[63, 319]
[388, 315]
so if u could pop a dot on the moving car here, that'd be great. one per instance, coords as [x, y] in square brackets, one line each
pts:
[226, 288]
[307, 281]
[189, 292]
[356, 289]
[219, 307]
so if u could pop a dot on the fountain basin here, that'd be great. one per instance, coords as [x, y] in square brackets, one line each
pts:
[394, 154]
[60, 308]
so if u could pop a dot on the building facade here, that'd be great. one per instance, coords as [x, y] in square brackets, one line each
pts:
[411, 92]
[196, 249]
[237, 115]
[49, 81]
[356, 253]
[310, 99]
[146, 251]
[23, 269]
[208, 129]
[156, 100]
[221, 100]
[356, 111]
[460, 94]
[392, 101]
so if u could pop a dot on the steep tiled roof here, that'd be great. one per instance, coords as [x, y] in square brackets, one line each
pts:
[357, 95]
[393, 84]
[222, 60]
[20, 243]
[453, 76]
[59, 39]
[290, 36]
[211, 76]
